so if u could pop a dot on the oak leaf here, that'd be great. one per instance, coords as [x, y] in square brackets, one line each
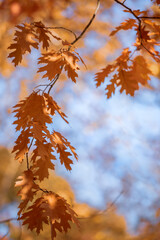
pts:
[30, 110]
[128, 24]
[34, 216]
[21, 144]
[56, 61]
[121, 61]
[42, 34]
[50, 208]
[24, 40]
[128, 76]
[100, 77]
[53, 107]
[42, 159]
[28, 188]
[54, 64]
[61, 145]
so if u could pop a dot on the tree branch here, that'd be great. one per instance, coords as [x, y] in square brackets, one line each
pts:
[89, 23]
[129, 9]
[149, 17]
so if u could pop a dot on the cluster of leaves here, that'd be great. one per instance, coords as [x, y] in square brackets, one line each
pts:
[33, 116]
[128, 72]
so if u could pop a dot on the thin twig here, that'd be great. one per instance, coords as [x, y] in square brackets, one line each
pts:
[132, 12]
[8, 220]
[63, 28]
[152, 54]
[129, 9]
[87, 26]
[54, 80]
[40, 85]
[150, 17]
[49, 84]
[30, 144]
[108, 208]
[27, 160]
[44, 190]
[114, 201]
[4, 237]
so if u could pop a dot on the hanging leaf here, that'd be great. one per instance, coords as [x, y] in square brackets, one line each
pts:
[53, 209]
[24, 40]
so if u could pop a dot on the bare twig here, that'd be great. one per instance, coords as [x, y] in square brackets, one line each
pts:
[108, 208]
[54, 81]
[150, 17]
[27, 160]
[129, 9]
[113, 202]
[87, 26]
[4, 237]
[152, 54]
[63, 28]
[8, 220]
[44, 190]
[40, 85]
[30, 144]
[132, 12]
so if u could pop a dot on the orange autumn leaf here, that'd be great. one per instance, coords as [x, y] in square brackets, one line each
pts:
[50, 208]
[21, 144]
[24, 40]
[32, 109]
[43, 34]
[100, 76]
[128, 75]
[56, 61]
[128, 24]
[28, 188]
[62, 146]
[53, 107]
[34, 216]
[42, 160]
